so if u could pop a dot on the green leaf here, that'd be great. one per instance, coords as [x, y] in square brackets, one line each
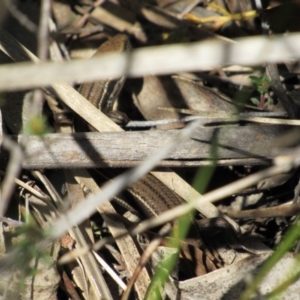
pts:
[262, 90]
[256, 80]
[266, 83]
[255, 101]
[37, 125]
[266, 78]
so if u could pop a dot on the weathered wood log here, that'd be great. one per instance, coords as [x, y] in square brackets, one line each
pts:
[236, 145]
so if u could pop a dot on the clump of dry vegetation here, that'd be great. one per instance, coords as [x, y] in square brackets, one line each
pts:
[149, 149]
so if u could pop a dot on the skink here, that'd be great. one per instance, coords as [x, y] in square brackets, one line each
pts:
[103, 93]
[150, 194]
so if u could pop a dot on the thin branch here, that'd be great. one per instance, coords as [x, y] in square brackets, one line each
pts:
[285, 210]
[159, 60]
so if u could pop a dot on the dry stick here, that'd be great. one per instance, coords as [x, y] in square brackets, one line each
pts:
[190, 6]
[20, 17]
[29, 189]
[69, 285]
[43, 31]
[42, 51]
[109, 270]
[91, 268]
[285, 210]
[145, 258]
[291, 108]
[86, 15]
[148, 60]
[121, 149]
[256, 117]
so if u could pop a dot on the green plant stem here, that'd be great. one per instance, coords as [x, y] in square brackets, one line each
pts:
[262, 101]
[291, 237]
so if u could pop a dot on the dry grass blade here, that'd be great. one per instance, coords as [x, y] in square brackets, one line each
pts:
[109, 270]
[145, 258]
[269, 212]
[159, 60]
[30, 189]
